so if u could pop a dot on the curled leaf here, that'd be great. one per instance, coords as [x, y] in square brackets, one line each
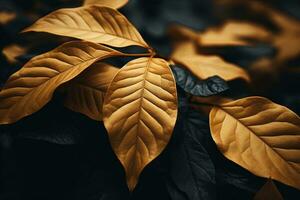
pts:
[116, 4]
[259, 135]
[189, 83]
[93, 23]
[85, 94]
[139, 113]
[30, 88]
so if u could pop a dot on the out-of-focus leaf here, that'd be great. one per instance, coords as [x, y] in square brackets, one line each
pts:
[12, 52]
[287, 40]
[259, 135]
[189, 83]
[85, 94]
[264, 69]
[30, 88]
[205, 66]
[184, 48]
[191, 169]
[93, 23]
[269, 191]
[108, 3]
[178, 32]
[139, 113]
[6, 17]
[234, 33]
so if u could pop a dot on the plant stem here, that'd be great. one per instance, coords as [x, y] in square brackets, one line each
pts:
[137, 54]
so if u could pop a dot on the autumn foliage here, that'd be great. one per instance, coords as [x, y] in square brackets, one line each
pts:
[139, 102]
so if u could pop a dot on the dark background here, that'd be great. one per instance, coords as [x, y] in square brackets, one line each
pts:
[58, 154]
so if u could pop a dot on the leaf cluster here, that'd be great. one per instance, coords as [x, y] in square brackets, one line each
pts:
[147, 101]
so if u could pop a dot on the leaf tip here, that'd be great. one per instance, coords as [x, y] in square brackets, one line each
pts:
[131, 183]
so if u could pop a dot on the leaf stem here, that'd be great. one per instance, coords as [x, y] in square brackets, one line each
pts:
[137, 54]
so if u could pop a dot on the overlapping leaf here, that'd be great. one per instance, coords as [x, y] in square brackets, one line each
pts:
[139, 113]
[189, 83]
[32, 87]
[93, 23]
[261, 136]
[85, 94]
[205, 66]
[108, 3]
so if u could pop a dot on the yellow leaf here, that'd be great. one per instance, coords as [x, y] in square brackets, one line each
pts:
[85, 94]
[139, 113]
[268, 191]
[234, 33]
[93, 23]
[261, 136]
[30, 88]
[116, 4]
[12, 52]
[205, 66]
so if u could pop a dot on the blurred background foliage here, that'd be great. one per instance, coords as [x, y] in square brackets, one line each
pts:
[81, 164]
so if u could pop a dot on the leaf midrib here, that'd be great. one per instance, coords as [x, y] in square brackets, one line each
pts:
[59, 74]
[219, 107]
[93, 31]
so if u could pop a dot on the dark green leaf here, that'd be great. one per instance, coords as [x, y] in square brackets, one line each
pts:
[192, 173]
[189, 83]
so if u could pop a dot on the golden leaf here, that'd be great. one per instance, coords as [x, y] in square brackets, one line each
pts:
[12, 52]
[287, 40]
[234, 33]
[85, 94]
[179, 32]
[139, 113]
[205, 66]
[184, 48]
[108, 3]
[6, 17]
[261, 136]
[93, 23]
[30, 88]
[268, 191]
